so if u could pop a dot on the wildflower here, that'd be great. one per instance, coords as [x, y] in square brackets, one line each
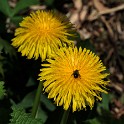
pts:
[42, 33]
[74, 78]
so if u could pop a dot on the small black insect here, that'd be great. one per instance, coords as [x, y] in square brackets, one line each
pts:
[76, 74]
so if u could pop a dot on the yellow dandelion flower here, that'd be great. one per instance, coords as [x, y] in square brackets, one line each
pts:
[42, 33]
[74, 78]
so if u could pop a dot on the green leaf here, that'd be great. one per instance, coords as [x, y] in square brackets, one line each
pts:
[49, 2]
[22, 4]
[105, 101]
[104, 104]
[5, 8]
[2, 90]
[92, 121]
[30, 82]
[42, 114]
[49, 105]
[16, 20]
[106, 98]
[86, 44]
[122, 98]
[8, 49]
[19, 116]
[1, 68]
[29, 99]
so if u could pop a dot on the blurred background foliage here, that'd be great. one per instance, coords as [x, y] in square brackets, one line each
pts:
[100, 26]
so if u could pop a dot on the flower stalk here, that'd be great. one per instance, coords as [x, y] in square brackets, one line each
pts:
[37, 99]
[65, 117]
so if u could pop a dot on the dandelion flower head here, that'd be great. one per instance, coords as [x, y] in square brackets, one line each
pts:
[74, 78]
[42, 33]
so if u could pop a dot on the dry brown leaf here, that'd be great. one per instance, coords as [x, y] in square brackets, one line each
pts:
[78, 4]
[102, 10]
[38, 7]
[74, 18]
[83, 13]
[111, 33]
[84, 34]
[99, 6]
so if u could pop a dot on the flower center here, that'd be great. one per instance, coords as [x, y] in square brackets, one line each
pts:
[76, 74]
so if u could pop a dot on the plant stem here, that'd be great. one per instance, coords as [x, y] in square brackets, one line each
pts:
[37, 99]
[65, 117]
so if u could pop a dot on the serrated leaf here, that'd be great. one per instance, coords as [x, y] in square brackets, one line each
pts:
[29, 100]
[2, 90]
[22, 4]
[8, 49]
[5, 8]
[19, 116]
